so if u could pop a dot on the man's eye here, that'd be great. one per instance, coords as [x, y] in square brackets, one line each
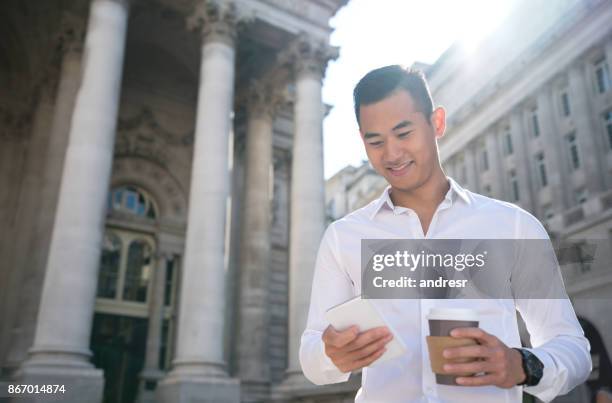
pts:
[402, 135]
[375, 143]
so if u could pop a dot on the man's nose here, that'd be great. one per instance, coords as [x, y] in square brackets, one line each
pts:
[392, 152]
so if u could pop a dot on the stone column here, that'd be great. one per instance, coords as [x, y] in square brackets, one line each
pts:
[20, 124]
[253, 363]
[495, 172]
[71, 39]
[307, 187]
[199, 369]
[607, 179]
[497, 159]
[591, 160]
[19, 306]
[523, 159]
[70, 46]
[556, 157]
[471, 171]
[151, 373]
[61, 354]
[608, 51]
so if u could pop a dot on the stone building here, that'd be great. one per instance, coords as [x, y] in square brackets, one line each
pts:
[351, 188]
[532, 125]
[529, 116]
[162, 195]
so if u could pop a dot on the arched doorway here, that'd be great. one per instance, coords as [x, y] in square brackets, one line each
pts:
[128, 267]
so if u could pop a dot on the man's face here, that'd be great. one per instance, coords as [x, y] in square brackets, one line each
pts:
[400, 141]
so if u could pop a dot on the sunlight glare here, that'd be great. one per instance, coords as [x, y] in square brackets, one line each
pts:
[375, 33]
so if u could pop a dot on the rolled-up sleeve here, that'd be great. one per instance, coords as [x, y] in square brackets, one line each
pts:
[331, 286]
[556, 335]
[559, 342]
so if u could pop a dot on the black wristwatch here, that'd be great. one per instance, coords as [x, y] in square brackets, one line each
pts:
[533, 367]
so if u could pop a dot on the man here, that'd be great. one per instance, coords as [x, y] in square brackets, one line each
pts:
[400, 128]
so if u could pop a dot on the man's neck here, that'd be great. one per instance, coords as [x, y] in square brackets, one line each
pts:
[427, 197]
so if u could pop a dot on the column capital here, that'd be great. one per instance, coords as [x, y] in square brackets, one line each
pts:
[306, 55]
[264, 99]
[216, 21]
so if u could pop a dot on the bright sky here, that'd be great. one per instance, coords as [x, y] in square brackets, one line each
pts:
[375, 33]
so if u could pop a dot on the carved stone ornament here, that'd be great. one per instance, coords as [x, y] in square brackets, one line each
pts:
[216, 20]
[307, 55]
[143, 136]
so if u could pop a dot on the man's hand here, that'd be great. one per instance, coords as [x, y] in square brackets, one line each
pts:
[502, 366]
[350, 349]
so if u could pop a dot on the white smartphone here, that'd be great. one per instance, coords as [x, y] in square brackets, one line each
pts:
[365, 315]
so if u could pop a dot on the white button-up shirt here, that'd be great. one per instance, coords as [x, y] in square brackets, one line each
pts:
[555, 334]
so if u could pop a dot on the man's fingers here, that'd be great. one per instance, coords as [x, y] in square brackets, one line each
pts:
[475, 333]
[348, 358]
[467, 352]
[468, 368]
[367, 337]
[477, 380]
[367, 360]
[370, 348]
[337, 339]
[350, 350]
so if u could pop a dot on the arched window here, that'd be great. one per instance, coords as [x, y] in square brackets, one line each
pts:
[109, 266]
[126, 266]
[131, 200]
[138, 271]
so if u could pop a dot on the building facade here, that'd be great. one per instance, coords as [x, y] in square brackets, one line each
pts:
[351, 188]
[529, 121]
[154, 158]
[533, 126]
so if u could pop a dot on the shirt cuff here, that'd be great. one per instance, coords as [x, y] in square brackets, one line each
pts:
[546, 390]
[328, 366]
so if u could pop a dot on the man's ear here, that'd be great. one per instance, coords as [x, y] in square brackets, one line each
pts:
[438, 121]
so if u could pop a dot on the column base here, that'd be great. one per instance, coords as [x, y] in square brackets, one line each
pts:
[149, 380]
[203, 389]
[254, 391]
[81, 384]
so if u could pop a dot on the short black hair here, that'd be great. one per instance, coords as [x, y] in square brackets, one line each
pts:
[379, 83]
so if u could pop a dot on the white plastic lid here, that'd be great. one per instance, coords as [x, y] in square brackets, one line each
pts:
[453, 314]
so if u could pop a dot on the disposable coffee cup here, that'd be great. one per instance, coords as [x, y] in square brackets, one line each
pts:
[441, 322]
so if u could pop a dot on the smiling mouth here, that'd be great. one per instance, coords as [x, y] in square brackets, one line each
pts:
[400, 169]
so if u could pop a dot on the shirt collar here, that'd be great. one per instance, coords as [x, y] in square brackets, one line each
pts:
[383, 200]
[455, 190]
[458, 190]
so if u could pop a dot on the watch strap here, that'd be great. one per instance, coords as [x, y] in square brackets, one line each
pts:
[532, 366]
